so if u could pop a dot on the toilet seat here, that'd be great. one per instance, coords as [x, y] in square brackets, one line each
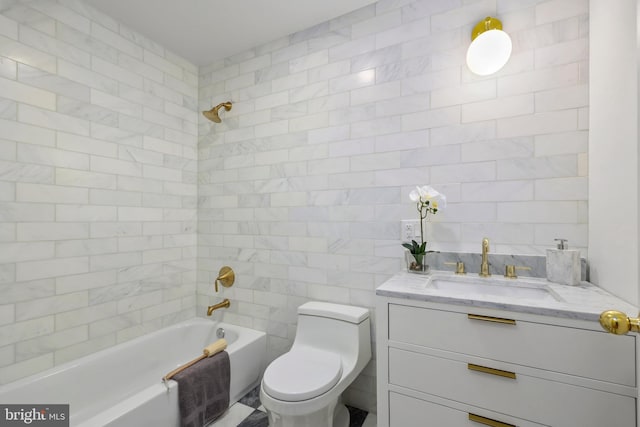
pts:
[302, 374]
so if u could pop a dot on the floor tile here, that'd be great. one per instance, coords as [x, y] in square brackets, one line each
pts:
[256, 419]
[356, 416]
[371, 421]
[234, 416]
[252, 398]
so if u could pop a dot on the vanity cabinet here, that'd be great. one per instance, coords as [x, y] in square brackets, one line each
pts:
[452, 365]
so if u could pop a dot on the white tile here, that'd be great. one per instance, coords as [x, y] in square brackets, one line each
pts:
[87, 77]
[306, 62]
[17, 252]
[273, 100]
[163, 64]
[538, 124]
[429, 81]
[408, 31]
[375, 93]
[468, 15]
[20, 52]
[545, 212]
[32, 270]
[472, 172]
[40, 193]
[498, 149]
[307, 92]
[8, 68]
[8, 27]
[115, 103]
[533, 81]
[27, 94]
[329, 71]
[499, 107]
[233, 416]
[116, 72]
[352, 48]
[456, 134]
[27, 212]
[497, 191]
[432, 118]
[463, 94]
[53, 120]
[561, 143]
[116, 40]
[556, 10]
[14, 171]
[562, 53]
[538, 167]
[53, 46]
[52, 157]
[352, 81]
[573, 188]
[376, 24]
[84, 179]
[289, 82]
[562, 98]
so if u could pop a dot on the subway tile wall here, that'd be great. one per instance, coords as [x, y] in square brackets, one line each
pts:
[303, 185]
[98, 184]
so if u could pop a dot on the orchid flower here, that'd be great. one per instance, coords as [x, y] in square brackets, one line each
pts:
[427, 200]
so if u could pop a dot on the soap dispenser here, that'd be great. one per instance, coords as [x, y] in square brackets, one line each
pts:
[563, 264]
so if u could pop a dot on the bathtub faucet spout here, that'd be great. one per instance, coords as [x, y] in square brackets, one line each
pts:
[224, 304]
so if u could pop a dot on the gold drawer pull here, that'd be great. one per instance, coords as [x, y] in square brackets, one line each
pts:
[491, 319]
[488, 421]
[491, 371]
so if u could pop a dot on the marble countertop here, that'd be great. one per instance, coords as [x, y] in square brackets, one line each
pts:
[533, 296]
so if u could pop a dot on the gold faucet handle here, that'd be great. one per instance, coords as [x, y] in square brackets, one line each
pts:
[510, 271]
[459, 266]
[226, 277]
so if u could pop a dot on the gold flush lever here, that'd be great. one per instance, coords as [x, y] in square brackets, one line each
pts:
[616, 322]
[226, 277]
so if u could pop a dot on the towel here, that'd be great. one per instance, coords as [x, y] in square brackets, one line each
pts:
[203, 390]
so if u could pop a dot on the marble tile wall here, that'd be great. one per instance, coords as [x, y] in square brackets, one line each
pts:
[303, 185]
[98, 184]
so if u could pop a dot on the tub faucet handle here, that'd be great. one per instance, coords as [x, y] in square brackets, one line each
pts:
[226, 277]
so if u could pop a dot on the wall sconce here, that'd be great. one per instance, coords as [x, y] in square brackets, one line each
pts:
[490, 47]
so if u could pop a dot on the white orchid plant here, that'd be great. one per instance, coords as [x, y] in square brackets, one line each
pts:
[428, 201]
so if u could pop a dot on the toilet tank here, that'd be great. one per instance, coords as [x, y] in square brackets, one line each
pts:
[334, 327]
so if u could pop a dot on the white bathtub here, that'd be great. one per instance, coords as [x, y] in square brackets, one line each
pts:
[122, 387]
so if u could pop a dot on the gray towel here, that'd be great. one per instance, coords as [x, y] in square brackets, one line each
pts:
[203, 390]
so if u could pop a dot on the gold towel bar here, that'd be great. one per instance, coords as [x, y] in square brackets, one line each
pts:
[492, 371]
[491, 319]
[488, 421]
[208, 351]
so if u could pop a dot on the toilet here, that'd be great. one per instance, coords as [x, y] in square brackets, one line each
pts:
[303, 388]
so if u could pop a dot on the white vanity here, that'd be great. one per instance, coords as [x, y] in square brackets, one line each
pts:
[466, 351]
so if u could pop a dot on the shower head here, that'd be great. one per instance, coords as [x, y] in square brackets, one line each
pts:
[213, 113]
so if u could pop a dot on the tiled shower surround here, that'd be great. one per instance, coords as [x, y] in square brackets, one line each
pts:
[106, 165]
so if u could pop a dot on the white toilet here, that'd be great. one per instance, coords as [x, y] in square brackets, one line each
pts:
[302, 388]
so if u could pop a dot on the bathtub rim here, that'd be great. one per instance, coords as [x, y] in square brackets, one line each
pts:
[243, 339]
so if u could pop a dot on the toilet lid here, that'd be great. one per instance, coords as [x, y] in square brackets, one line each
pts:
[302, 374]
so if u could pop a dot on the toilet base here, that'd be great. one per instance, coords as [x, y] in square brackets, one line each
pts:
[334, 415]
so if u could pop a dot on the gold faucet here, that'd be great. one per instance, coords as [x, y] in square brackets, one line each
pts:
[224, 304]
[484, 266]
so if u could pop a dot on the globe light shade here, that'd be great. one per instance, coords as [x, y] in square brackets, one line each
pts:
[490, 47]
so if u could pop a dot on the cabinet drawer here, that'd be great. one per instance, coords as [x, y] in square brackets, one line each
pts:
[573, 351]
[405, 411]
[527, 397]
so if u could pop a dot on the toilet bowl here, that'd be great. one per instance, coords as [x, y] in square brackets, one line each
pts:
[303, 387]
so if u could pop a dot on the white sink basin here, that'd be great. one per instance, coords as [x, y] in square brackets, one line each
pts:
[474, 286]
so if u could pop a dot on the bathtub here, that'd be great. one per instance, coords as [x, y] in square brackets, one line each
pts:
[122, 385]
